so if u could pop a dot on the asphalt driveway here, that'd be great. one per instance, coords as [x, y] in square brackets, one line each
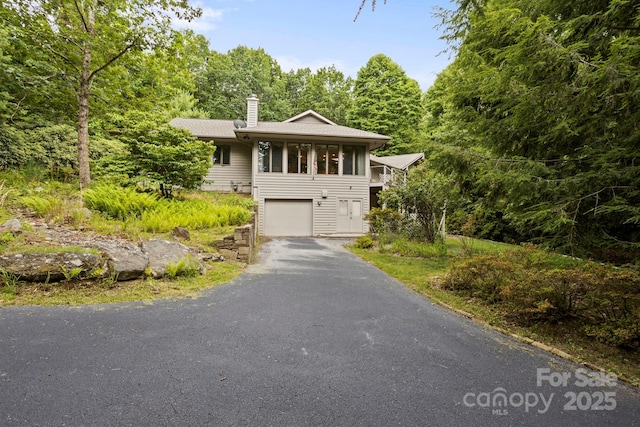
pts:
[310, 335]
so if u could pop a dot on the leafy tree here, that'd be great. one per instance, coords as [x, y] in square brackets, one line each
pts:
[164, 154]
[230, 78]
[328, 92]
[388, 102]
[295, 83]
[82, 39]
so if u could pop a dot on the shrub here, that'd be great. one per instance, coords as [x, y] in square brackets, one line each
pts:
[383, 220]
[364, 242]
[529, 287]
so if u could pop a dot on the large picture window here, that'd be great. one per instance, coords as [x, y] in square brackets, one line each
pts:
[353, 160]
[298, 157]
[270, 156]
[327, 159]
[222, 155]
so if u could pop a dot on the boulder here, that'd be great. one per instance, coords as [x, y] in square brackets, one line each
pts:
[50, 267]
[125, 261]
[12, 226]
[162, 253]
[181, 233]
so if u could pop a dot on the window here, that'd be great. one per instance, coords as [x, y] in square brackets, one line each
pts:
[270, 156]
[327, 159]
[222, 155]
[298, 157]
[353, 160]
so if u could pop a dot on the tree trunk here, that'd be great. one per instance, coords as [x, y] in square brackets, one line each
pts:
[84, 172]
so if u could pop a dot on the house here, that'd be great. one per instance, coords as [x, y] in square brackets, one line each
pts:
[310, 176]
[390, 170]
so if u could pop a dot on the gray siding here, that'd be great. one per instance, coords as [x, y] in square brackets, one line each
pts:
[219, 177]
[297, 186]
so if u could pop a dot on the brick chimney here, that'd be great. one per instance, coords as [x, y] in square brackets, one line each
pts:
[252, 111]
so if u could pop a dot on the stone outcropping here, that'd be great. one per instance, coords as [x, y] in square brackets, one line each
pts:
[117, 258]
[51, 267]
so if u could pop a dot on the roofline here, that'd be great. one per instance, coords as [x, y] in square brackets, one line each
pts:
[245, 135]
[312, 113]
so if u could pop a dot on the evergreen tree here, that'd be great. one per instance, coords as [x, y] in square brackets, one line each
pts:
[388, 102]
[541, 106]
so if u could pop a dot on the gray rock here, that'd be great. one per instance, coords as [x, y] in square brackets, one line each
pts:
[51, 267]
[162, 253]
[125, 261]
[12, 226]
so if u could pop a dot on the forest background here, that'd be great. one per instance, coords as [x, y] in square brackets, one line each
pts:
[531, 134]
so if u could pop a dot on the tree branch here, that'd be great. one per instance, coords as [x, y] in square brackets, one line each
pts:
[64, 58]
[84, 22]
[114, 58]
[373, 7]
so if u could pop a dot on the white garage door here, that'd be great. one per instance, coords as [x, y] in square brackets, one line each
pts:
[288, 217]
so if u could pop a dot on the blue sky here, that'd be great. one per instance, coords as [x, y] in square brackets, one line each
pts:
[320, 33]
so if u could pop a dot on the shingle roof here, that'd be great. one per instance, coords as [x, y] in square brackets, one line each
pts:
[401, 161]
[206, 128]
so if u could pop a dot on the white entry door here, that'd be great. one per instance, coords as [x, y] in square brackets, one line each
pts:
[349, 216]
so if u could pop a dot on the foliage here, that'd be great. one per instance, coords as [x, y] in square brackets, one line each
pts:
[364, 242]
[169, 156]
[423, 197]
[42, 205]
[385, 220]
[192, 214]
[388, 102]
[536, 119]
[228, 79]
[534, 286]
[162, 215]
[327, 92]
[4, 193]
[80, 42]
[118, 202]
[408, 248]
[187, 267]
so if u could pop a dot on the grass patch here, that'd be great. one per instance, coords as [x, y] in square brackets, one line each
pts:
[107, 291]
[429, 275]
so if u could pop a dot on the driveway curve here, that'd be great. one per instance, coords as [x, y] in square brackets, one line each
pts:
[310, 335]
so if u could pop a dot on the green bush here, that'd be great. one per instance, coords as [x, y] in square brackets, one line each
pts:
[364, 242]
[529, 287]
[382, 220]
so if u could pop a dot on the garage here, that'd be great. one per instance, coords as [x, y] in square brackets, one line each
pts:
[288, 217]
